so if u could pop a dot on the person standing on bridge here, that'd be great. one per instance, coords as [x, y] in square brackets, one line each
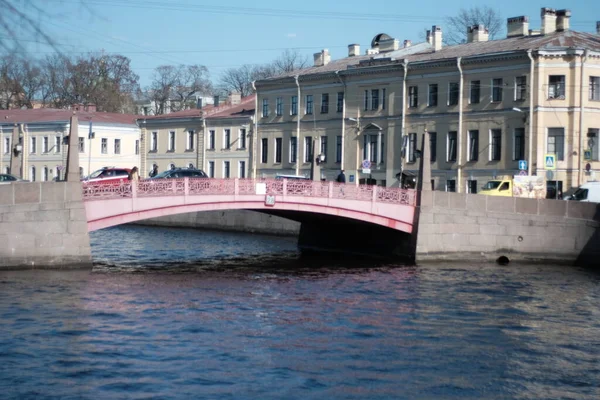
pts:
[341, 178]
[154, 171]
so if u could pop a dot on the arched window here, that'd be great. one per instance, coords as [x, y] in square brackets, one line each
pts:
[45, 174]
[32, 173]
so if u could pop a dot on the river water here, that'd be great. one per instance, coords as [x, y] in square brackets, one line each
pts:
[191, 314]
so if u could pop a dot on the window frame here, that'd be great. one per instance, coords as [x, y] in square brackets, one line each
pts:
[264, 151]
[432, 146]
[475, 92]
[560, 155]
[172, 141]
[279, 106]
[278, 150]
[473, 149]
[413, 96]
[265, 108]
[294, 105]
[558, 88]
[324, 103]
[594, 88]
[521, 88]
[432, 95]
[212, 133]
[497, 90]
[518, 145]
[103, 145]
[453, 93]
[309, 106]
[451, 146]
[190, 142]
[117, 146]
[495, 145]
[340, 102]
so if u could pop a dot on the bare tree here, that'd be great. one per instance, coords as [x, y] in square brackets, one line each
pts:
[173, 88]
[288, 61]
[484, 15]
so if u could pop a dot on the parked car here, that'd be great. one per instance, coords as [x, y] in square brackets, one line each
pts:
[181, 173]
[108, 175]
[8, 178]
[588, 192]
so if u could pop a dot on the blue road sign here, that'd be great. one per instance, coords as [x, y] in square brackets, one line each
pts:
[522, 165]
[550, 161]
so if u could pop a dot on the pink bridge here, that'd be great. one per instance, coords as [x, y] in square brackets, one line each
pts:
[114, 204]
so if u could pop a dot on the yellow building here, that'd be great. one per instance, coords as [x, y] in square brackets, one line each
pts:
[485, 106]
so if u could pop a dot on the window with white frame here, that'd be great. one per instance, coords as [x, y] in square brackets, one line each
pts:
[279, 106]
[451, 185]
[45, 144]
[45, 175]
[242, 139]
[211, 139]
[32, 173]
[451, 146]
[556, 87]
[497, 89]
[278, 150]
[137, 147]
[57, 144]
[374, 99]
[171, 146]
[556, 143]
[340, 102]
[473, 140]
[373, 148]
[293, 149]
[227, 139]
[324, 103]
[308, 149]
[413, 96]
[226, 169]
[117, 146]
[264, 150]
[453, 93]
[211, 169]
[520, 88]
[475, 92]
[190, 144]
[6, 145]
[595, 88]
[32, 145]
[324, 147]
[495, 144]
[309, 104]
[592, 143]
[154, 142]
[433, 95]
[519, 144]
[432, 146]
[338, 149]
[265, 108]
[294, 106]
[242, 169]
[103, 146]
[412, 147]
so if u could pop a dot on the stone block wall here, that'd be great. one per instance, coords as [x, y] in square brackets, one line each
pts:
[43, 225]
[459, 227]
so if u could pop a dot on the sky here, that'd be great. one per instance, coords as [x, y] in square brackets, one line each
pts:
[230, 33]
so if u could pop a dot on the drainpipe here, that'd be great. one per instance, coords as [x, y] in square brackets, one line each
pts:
[530, 128]
[255, 131]
[581, 112]
[403, 133]
[299, 142]
[204, 162]
[337, 73]
[460, 128]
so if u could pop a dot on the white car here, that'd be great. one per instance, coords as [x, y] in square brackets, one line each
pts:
[8, 178]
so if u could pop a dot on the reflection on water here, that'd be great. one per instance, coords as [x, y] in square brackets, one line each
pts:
[244, 316]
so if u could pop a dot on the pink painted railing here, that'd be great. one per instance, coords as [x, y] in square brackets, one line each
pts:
[203, 186]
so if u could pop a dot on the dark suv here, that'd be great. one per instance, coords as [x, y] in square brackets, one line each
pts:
[181, 173]
[108, 174]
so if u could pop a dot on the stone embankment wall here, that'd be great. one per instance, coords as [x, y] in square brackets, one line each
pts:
[465, 227]
[43, 225]
[230, 220]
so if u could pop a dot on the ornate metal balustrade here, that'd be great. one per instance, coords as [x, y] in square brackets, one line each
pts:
[203, 186]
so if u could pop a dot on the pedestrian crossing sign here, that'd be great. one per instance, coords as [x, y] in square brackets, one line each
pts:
[550, 162]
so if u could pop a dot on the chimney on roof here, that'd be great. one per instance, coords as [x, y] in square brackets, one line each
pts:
[517, 26]
[548, 20]
[322, 58]
[389, 45]
[407, 43]
[235, 98]
[353, 50]
[436, 33]
[563, 18]
[477, 33]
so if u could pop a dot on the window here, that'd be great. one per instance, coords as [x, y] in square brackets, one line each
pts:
[556, 87]
[497, 90]
[432, 146]
[137, 147]
[519, 144]
[450, 185]
[371, 151]
[495, 144]
[309, 104]
[190, 141]
[433, 95]
[242, 139]
[103, 145]
[211, 139]
[451, 146]
[472, 186]
[45, 144]
[340, 102]
[375, 99]
[154, 142]
[413, 96]
[595, 88]
[475, 94]
[520, 88]
[592, 142]
[383, 99]
[294, 106]
[278, 150]
[308, 149]
[264, 151]
[211, 169]
[32, 173]
[279, 106]
[265, 108]
[81, 145]
[338, 149]
[473, 145]
[556, 142]
[226, 171]
[324, 103]
[293, 149]
[242, 169]
[412, 146]
[453, 93]
[324, 146]
[227, 139]
[171, 141]
[57, 144]
[117, 146]
[366, 100]
[32, 145]
[45, 174]
[6, 145]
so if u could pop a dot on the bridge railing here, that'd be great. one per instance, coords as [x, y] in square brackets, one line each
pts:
[276, 187]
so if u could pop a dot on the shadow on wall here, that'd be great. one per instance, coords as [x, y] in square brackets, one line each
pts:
[590, 254]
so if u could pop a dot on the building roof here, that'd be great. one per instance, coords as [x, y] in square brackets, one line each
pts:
[41, 115]
[244, 109]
